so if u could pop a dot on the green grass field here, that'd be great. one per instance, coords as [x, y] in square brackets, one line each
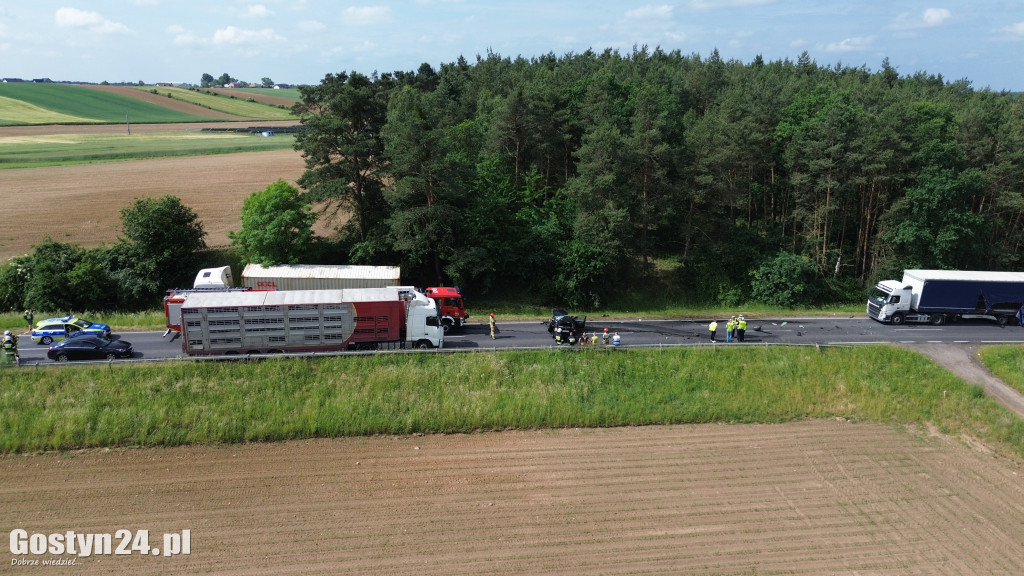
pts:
[185, 402]
[53, 150]
[289, 93]
[74, 104]
[228, 104]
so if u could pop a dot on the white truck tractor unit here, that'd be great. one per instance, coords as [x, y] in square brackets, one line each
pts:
[937, 296]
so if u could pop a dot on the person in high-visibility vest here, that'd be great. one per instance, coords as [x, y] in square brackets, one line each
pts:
[730, 328]
[741, 327]
[713, 327]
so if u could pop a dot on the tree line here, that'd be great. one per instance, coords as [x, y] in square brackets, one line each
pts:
[582, 179]
[583, 176]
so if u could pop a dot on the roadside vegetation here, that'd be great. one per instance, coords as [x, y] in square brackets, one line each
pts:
[1007, 363]
[66, 408]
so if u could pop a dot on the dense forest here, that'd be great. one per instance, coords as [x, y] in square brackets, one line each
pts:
[597, 180]
[582, 177]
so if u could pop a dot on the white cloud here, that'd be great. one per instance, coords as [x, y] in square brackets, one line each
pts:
[709, 5]
[182, 37]
[650, 12]
[1016, 30]
[855, 44]
[258, 11]
[930, 18]
[366, 15]
[93, 21]
[233, 35]
[935, 16]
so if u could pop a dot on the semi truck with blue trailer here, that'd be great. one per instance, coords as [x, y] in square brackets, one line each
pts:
[938, 296]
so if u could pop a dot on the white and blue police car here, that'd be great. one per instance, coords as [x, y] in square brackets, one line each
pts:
[55, 329]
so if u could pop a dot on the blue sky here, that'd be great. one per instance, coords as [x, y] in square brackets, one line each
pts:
[300, 41]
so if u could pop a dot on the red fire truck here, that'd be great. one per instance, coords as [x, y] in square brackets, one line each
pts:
[451, 306]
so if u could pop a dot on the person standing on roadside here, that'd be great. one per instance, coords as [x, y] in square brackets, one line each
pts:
[29, 316]
[713, 328]
[741, 328]
[494, 326]
[730, 328]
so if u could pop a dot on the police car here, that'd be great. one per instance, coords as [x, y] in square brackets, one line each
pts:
[54, 329]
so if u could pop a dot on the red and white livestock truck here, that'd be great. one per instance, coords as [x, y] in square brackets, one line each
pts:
[283, 321]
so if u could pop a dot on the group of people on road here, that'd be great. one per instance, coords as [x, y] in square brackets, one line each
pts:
[605, 338]
[735, 328]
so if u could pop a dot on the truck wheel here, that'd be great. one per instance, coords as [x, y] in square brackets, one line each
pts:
[424, 345]
[938, 319]
[447, 324]
[1002, 319]
[897, 319]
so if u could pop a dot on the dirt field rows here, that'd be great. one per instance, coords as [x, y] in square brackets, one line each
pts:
[820, 497]
[81, 204]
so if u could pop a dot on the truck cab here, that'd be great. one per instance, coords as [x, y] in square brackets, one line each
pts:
[451, 306]
[890, 301]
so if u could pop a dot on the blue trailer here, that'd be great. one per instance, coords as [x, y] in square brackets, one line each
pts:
[937, 296]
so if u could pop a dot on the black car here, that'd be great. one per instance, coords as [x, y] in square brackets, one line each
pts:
[565, 328]
[89, 347]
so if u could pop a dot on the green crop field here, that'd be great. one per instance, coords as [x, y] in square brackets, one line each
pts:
[289, 93]
[52, 150]
[19, 112]
[227, 104]
[76, 104]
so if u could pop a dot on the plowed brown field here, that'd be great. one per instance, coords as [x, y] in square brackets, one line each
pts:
[81, 203]
[819, 497]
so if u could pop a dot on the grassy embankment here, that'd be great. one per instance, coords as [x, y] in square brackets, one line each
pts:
[1007, 363]
[278, 399]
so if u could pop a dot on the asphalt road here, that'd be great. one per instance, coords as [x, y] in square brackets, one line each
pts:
[822, 331]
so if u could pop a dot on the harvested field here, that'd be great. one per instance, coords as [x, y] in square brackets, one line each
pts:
[81, 203]
[819, 497]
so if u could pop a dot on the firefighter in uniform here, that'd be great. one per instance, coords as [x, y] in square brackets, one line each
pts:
[9, 349]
